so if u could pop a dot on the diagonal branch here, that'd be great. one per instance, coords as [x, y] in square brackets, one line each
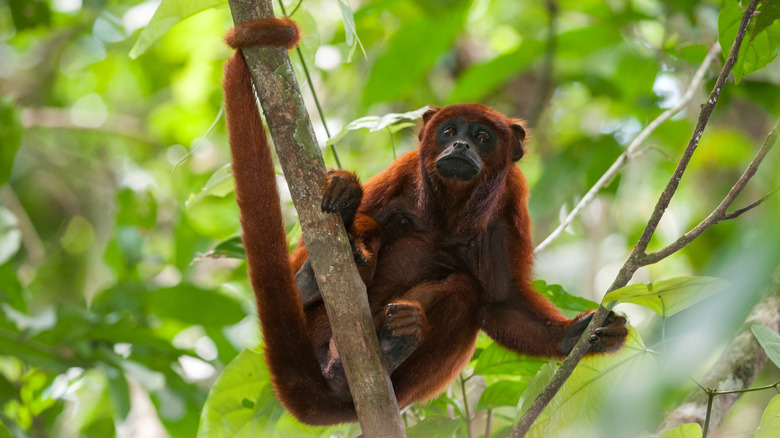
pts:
[634, 260]
[632, 150]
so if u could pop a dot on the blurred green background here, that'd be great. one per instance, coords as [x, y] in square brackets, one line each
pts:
[117, 313]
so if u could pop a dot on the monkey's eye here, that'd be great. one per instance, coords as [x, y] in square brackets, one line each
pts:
[482, 137]
[449, 131]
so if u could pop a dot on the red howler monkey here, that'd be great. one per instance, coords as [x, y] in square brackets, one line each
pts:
[442, 239]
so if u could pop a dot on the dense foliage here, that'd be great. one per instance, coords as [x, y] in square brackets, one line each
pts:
[123, 293]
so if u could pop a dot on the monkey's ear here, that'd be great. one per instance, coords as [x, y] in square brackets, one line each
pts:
[425, 118]
[519, 133]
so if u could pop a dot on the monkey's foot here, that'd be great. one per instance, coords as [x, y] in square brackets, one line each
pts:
[401, 332]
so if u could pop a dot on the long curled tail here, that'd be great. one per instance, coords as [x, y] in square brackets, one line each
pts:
[296, 374]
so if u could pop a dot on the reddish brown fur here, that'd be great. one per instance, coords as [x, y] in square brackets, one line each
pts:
[458, 252]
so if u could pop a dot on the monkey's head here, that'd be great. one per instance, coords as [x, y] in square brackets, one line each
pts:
[465, 143]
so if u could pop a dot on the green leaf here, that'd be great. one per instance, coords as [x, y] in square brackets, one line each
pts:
[193, 305]
[498, 360]
[392, 121]
[770, 421]
[667, 297]
[434, 427]
[241, 402]
[535, 387]
[562, 299]
[170, 13]
[220, 184]
[688, 430]
[11, 130]
[762, 42]
[350, 31]
[770, 342]
[501, 393]
[10, 236]
[577, 405]
[232, 247]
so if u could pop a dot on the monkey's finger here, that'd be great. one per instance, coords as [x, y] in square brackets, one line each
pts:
[611, 331]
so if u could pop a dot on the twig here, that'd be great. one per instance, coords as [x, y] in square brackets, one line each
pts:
[633, 262]
[736, 213]
[632, 149]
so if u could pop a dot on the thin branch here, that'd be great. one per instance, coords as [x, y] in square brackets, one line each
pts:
[632, 149]
[632, 264]
[737, 213]
[719, 214]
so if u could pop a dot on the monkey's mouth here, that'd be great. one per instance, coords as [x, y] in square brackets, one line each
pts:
[457, 167]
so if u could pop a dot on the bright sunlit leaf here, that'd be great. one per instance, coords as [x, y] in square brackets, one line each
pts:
[667, 297]
[762, 39]
[170, 13]
[688, 430]
[391, 121]
[770, 421]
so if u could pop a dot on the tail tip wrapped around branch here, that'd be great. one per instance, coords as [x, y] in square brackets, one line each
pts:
[264, 32]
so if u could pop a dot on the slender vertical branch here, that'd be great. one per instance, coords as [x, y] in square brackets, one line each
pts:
[635, 259]
[326, 240]
[546, 83]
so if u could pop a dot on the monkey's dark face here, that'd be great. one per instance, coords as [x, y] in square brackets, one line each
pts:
[462, 144]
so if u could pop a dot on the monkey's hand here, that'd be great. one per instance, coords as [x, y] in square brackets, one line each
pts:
[342, 194]
[609, 337]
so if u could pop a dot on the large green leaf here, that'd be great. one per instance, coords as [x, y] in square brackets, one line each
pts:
[501, 393]
[762, 40]
[498, 360]
[170, 13]
[241, 403]
[688, 430]
[577, 405]
[10, 137]
[770, 421]
[434, 427]
[667, 297]
[770, 342]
